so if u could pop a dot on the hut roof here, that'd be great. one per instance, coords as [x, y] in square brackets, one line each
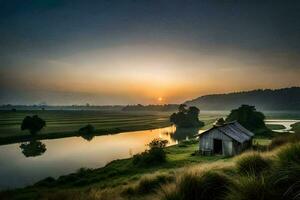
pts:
[233, 130]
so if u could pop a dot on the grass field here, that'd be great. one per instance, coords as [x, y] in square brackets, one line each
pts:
[66, 123]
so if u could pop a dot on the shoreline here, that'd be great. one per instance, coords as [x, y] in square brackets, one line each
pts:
[58, 135]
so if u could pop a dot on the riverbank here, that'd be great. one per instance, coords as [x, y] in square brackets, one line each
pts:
[120, 176]
[116, 173]
[98, 132]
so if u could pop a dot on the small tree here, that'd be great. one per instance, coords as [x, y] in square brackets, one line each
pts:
[87, 132]
[34, 124]
[186, 118]
[155, 155]
[248, 117]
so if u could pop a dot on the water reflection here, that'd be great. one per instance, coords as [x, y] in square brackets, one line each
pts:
[88, 137]
[33, 148]
[66, 155]
[184, 133]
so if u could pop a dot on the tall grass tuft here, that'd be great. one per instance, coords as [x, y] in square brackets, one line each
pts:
[289, 155]
[194, 186]
[149, 184]
[286, 181]
[250, 188]
[252, 164]
[284, 139]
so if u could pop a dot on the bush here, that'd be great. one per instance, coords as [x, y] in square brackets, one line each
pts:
[206, 186]
[252, 164]
[154, 155]
[250, 188]
[150, 157]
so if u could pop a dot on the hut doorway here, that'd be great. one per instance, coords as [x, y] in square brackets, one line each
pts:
[218, 146]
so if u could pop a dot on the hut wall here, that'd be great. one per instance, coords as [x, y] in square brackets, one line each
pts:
[206, 142]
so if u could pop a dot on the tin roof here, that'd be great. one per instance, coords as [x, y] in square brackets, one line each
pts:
[233, 130]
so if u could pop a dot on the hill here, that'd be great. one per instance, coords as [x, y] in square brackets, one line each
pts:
[278, 99]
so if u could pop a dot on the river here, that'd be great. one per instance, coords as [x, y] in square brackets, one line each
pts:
[27, 163]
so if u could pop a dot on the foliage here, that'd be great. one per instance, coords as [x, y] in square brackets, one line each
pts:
[186, 118]
[34, 124]
[33, 148]
[153, 156]
[158, 143]
[87, 132]
[248, 117]
[253, 164]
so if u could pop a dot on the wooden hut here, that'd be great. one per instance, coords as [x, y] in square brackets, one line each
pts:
[226, 139]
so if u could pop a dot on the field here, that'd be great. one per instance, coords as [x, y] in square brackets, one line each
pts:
[62, 123]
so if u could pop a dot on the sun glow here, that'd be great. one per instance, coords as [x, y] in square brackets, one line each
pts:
[160, 99]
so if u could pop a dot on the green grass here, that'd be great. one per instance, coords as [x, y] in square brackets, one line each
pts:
[66, 123]
[120, 172]
[61, 123]
[275, 126]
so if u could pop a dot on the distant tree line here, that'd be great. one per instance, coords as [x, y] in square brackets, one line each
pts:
[140, 107]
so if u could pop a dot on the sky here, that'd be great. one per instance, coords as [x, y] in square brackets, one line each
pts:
[144, 51]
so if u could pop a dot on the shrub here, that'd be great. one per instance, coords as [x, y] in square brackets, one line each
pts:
[150, 157]
[252, 164]
[206, 186]
[250, 188]
[154, 155]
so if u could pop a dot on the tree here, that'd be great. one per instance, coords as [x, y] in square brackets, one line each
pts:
[34, 124]
[186, 118]
[182, 108]
[155, 155]
[248, 117]
[87, 132]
